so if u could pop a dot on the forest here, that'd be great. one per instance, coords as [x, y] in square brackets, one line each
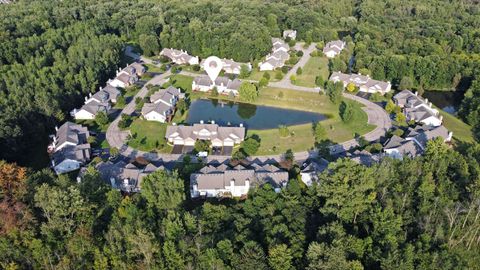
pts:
[421, 213]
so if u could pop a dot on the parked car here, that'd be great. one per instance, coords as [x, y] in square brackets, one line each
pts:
[202, 154]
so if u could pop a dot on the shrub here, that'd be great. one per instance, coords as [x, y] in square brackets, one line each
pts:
[101, 118]
[346, 111]
[285, 69]
[266, 75]
[398, 132]
[319, 81]
[299, 71]
[293, 78]
[299, 53]
[196, 67]
[250, 146]
[278, 75]
[263, 82]
[202, 145]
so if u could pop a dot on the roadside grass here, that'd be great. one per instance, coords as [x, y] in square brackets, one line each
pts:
[256, 75]
[149, 136]
[315, 66]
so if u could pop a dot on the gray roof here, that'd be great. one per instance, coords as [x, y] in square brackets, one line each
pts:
[72, 133]
[176, 55]
[80, 153]
[159, 107]
[405, 147]
[95, 107]
[214, 131]
[360, 81]
[219, 177]
[335, 45]
[203, 80]
[313, 166]
[113, 92]
[279, 55]
[364, 157]
[418, 114]
[408, 99]
[423, 134]
[165, 94]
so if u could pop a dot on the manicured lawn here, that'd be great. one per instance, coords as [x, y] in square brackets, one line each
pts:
[153, 68]
[271, 143]
[314, 67]
[256, 75]
[182, 81]
[461, 131]
[149, 136]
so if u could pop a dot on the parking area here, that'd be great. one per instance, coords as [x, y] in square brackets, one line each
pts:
[216, 151]
[177, 149]
[227, 150]
[187, 149]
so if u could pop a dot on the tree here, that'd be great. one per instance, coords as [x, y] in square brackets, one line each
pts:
[401, 119]
[263, 82]
[244, 71]
[101, 118]
[351, 87]
[319, 81]
[149, 44]
[405, 83]
[250, 146]
[346, 111]
[278, 75]
[320, 132]
[120, 101]
[202, 146]
[13, 188]
[390, 106]
[272, 24]
[299, 71]
[163, 190]
[293, 78]
[279, 258]
[334, 91]
[248, 91]
[114, 152]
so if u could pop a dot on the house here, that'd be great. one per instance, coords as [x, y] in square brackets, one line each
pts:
[126, 177]
[333, 48]
[179, 57]
[311, 169]
[278, 56]
[127, 76]
[364, 157]
[421, 134]
[398, 147]
[225, 181]
[364, 83]
[162, 105]
[219, 136]
[69, 149]
[292, 34]
[232, 67]
[113, 92]
[224, 85]
[90, 110]
[418, 109]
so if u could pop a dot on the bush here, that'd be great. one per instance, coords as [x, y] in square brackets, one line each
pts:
[202, 145]
[92, 139]
[374, 148]
[283, 131]
[266, 75]
[291, 43]
[263, 82]
[299, 71]
[293, 78]
[101, 118]
[196, 67]
[278, 75]
[398, 132]
[320, 132]
[375, 97]
[319, 81]
[121, 100]
[214, 92]
[346, 111]
[299, 53]
[250, 146]
[285, 69]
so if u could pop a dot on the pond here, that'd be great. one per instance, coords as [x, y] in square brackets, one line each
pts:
[449, 101]
[251, 116]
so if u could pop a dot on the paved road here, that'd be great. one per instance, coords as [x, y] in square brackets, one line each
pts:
[285, 82]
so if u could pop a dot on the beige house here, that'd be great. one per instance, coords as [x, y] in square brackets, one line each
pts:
[219, 136]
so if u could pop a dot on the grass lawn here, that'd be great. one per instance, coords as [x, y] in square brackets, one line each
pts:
[100, 130]
[314, 67]
[153, 68]
[271, 142]
[182, 81]
[149, 136]
[461, 131]
[256, 75]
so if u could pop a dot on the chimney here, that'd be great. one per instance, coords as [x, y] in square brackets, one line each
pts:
[99, 88]
[247, 184]
[174, 124]
[416, 93]
[56, 128]
[54, 140]
[232, 186]
[79, 180]
[213, 121]
[241, 125]
[194, 190]
[86, 98]
[450, 136]
[441, 118]
[201, 121]
[112, 182]
[90, 94]
[430, 104]
[426, 100]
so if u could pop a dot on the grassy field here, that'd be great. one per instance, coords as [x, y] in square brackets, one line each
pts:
[461, 131]
[256, 75]
[182, 81]
[314, 67]
[271, 142]
[149, 136]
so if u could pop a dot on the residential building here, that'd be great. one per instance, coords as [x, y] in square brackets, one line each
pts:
[232, 67]
[292, 34]
[278, 56]
[397, 147]
[311, 169]
[225, 181]
[364, 157]
[224, 85]
[69, 149]
[415, 142]
[418, 109]
[364, 83]
[126, 177]
[162, 106]
[179, 57]
[219, 136]
[333, 48]
[90, 109]
[127, 76]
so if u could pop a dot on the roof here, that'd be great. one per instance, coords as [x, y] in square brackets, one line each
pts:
[220, 176]
[404, 147]
[419, 114]
[204, 80]
[165, 95]
[335, 45]
[80, 153]
[205, 132]
[313, 166]
[360, 81]
[423, 134]
[72, 133]
[364, 157]
[95, 107]
[159, 107]
[112, 91]
[176, 55]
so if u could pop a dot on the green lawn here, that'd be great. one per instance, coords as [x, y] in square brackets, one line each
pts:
[461, 131]
[149, 136]
[153, 68]
[256, 75]
[182, 81]
[271, 142]
[314, 67]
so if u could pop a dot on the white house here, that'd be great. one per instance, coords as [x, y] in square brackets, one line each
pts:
[364, 83]
[224, 85]
[162, 105]
[179, 56]
[333, 48]
[69, 149]
[219, 136]
[292, 34]
[278, 56]
[225, 181]
[90, 110]
[418, 109]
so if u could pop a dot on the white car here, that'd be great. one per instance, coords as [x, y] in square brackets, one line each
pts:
[202, 154]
